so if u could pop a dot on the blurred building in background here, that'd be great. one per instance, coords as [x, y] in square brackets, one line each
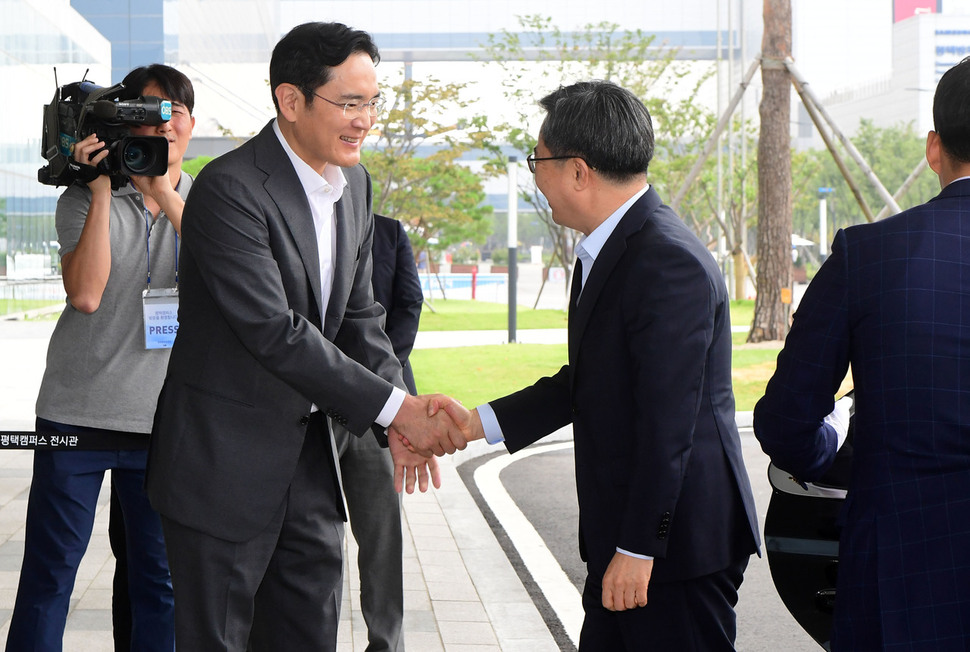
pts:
[878, 59]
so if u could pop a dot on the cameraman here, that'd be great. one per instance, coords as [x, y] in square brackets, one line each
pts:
[101, 377]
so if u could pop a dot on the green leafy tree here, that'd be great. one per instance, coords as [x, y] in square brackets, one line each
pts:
[892, 152]
[415, 164]
[541, 56]
[738, 201]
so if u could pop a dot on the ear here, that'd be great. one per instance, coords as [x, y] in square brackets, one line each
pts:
[290, 100]
[582, 173]
[934, 152]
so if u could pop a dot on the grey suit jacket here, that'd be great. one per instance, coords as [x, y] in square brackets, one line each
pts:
[253, 352]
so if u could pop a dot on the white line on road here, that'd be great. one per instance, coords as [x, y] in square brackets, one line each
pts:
[561, 594]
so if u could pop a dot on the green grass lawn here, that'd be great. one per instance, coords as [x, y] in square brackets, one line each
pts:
[477, 374]
[13, 306]
[453, 315]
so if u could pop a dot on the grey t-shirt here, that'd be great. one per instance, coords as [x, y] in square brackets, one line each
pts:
[99, 373]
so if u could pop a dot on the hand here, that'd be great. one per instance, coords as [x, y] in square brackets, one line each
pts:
[467, 421]
[425, 430]
[410, 466]
[839, 419]
[625, 582]
[158, 188]
[92, 151]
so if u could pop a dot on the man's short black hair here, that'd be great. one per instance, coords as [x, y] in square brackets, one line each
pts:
[176, 85]
[951, 111]
[602, 123]
[306, 54]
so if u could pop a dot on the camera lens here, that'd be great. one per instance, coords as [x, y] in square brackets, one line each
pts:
[139, 155]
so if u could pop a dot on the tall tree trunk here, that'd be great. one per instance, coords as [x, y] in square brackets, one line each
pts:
[774, 277]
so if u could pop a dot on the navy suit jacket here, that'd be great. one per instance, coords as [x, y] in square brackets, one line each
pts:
[253, 350]
[398, 289]
[892, 301]
[648, 390]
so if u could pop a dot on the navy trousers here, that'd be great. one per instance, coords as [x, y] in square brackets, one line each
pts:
[695, 615]
[60, 517]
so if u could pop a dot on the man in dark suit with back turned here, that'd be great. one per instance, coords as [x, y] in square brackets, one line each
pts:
[275, 290]
[892, 301]
[667, 519]
[367, 471]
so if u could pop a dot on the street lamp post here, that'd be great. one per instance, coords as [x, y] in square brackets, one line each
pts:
[513, 241]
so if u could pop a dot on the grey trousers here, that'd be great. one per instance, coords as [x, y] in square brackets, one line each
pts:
[375, 520]
[280, 590]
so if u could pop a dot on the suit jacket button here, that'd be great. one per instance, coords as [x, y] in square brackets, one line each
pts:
[304, 420]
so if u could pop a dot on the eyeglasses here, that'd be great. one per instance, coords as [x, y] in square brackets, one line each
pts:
[354, 109]
[532, 158]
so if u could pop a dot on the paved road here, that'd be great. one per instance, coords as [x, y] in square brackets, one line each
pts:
[542, 489]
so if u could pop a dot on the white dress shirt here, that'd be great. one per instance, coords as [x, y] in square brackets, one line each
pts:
[322, 193]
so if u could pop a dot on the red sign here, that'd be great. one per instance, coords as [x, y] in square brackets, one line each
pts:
[903, 9]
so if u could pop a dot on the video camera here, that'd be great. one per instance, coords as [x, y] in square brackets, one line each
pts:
[83, 108]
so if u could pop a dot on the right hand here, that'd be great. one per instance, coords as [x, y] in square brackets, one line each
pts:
[468, 422]
[86, 152]
[839, 419]
[424, 429]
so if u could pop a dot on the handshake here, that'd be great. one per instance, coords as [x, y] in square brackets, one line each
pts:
[435, 424]
[425, 426]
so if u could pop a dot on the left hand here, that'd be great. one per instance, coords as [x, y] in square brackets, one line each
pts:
[411, 466]
[155, 187]
[625, 582]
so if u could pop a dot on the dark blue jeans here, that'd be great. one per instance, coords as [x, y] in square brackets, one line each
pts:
[60, 517]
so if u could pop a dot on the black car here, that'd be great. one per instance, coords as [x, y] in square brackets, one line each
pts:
[802, 530]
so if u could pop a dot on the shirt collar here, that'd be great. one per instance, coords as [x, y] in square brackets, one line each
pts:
[332, 179]
[593, 243]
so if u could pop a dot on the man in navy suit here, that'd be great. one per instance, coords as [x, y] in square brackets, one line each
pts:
[667, 519]
[893, 301]
[366, 468]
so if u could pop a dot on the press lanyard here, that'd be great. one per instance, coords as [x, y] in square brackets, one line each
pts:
[160, 306]
[149, 221]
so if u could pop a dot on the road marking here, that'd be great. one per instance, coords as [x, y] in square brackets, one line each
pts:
[561, 594]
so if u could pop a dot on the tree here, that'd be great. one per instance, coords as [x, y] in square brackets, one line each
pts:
[892, 152]
[774, 179]
[739, 209]
[415, 166]
[602, 51]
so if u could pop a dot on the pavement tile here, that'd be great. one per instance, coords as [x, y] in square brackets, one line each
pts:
[454, 633]
[453, 590]
[461, 611]
[461, 593]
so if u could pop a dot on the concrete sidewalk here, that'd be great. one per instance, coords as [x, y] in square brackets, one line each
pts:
[462, 594]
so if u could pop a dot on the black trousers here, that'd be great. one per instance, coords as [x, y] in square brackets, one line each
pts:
[120, 600]
[695, 615]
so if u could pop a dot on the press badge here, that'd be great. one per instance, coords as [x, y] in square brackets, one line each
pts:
[161, 309]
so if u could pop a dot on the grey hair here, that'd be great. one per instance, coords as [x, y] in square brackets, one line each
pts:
[602, 123]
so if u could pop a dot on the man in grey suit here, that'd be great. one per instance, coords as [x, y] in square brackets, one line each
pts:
[278, 328]
[368, 475]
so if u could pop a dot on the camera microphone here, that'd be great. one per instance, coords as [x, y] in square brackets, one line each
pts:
[148, 110]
